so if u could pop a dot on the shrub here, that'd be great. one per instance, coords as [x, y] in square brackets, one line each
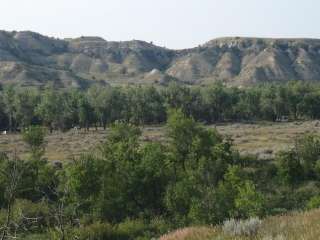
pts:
[31, 216]
[247, 227]
[34, 136]
[249, 202]
[160, 226]
[97, 231]
[131, 229]
[36, 237]
[307, 150]
[289, 167]
[317, 169]
[314, 202]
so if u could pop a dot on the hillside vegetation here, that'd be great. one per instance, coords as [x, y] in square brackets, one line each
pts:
[31, 59]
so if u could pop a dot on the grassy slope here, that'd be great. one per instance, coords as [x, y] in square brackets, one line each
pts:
[295, 226]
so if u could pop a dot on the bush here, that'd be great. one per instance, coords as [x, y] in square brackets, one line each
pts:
[160, 226]
[249, 202]
[34, 136]
[36, 237]
[131, 229]
[31, 216]
[317, 169]
[314, 202]
[127, 230]
[97, 231]
[289, 168]
[247, 227]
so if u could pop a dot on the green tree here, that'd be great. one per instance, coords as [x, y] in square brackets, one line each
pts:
[34, 136]
[84, 180]
[217, 101]
[26, 101]
[307, 151]
[50, 109]
[9, 103]
[289, 167]
[198, 159]
[39, 176]
[133, 176]
[86, 113]
[249, 202]
[310, 105]
[181, 132]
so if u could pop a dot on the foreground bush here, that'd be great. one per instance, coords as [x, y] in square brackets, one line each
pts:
[97, 231]
[247, 227]
[314, 202]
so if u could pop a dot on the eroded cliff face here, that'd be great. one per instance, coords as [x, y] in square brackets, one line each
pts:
[28, 58]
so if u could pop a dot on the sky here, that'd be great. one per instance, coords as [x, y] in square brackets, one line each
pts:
[173, 24]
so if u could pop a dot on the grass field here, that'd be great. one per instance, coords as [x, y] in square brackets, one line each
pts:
[261, 139]
[294, 226]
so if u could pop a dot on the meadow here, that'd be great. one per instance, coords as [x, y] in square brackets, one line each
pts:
[262, 139]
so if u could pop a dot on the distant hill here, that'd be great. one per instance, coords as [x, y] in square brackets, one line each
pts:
[28, 58]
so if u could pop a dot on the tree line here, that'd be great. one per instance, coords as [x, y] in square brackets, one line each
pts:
[99, 106]
[130, 190]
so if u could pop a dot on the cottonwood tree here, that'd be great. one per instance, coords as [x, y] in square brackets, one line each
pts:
[11, 175]
[10, 108]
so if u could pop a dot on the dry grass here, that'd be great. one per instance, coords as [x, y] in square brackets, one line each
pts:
[296, 226]
[59, 146]
[263, 139]
[203, 233]
[266, 139]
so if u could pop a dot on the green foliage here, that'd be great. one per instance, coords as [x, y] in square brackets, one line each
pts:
[50, 108]
[289, 167]
[26, 102]
[99, 106]
[238, 197]
[8, 96]
[317, 169]
[31, 216]
[132, 229]
[130, 173]
[307, 149]
[97, 231]
[198, 158]
[34, 136]
[314, 202]
[84, 181]
[249, 202]
[130, 189]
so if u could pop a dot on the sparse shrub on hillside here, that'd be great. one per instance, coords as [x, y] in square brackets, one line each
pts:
[249, 227]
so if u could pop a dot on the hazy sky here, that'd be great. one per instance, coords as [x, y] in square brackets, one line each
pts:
[170, 23]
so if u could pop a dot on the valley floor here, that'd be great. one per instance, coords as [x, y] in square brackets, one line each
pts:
[263, 139]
